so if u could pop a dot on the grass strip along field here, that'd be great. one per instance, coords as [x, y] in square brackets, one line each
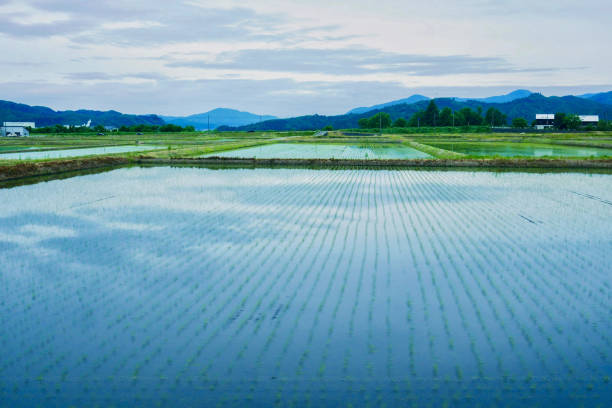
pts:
[438, 150]
[298, 287]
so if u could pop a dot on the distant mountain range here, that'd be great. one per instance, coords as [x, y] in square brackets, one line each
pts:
[409, 100]
[512, 96]
[519, 103]
[523, 107]
[518, 94]
[217, 117]
[603, 97]
[43, 116]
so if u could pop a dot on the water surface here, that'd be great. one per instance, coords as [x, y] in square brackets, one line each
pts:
[56, 154]
[183, 287]
[324, 151]
[518, 149]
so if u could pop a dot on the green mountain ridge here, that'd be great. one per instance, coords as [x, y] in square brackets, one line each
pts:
[524, 107]
[43, 116]
[217, 117]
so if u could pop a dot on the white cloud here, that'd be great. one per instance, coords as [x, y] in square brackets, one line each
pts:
[260, 56]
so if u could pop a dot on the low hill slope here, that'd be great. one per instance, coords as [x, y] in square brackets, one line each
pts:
[43, 116]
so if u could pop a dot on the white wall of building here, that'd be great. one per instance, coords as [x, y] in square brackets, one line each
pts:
[13, 131]
[20, 124]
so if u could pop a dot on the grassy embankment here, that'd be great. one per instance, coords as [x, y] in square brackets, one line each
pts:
[186, 147]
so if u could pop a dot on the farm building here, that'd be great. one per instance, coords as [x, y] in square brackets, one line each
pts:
[589, 120]
[31, 125]
[13, 131]
[544, 120]
[547, 120]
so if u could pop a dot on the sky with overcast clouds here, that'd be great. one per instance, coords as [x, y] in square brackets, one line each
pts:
[291, 57]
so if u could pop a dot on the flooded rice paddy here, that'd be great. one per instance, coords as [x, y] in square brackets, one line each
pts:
[175, 287]
[56, 154]
[518, 149]
[324, 151]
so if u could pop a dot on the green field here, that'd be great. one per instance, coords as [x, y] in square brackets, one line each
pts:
[585, 146]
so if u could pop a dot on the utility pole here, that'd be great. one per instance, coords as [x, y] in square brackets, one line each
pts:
[380, 121]
[453, 118]
[208, 123]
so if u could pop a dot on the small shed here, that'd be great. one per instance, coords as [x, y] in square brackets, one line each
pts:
[14, 131]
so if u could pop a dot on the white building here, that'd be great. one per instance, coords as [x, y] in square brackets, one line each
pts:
[544, 120]
[13, 131]
[31, 125]
[589, 120]
[547, 120]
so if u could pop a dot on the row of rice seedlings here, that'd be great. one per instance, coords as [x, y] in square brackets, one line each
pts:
[371, 349]
[560, 310]
[212, 336]
[346, 197]
[437, 209]
[167, 287]
[362, 270]
[309, 296]
[282, 270]
[311, 333]
[125, 314]
[409, 317]
[549, 337]
[185, 312]
[476, 305]
[387, 266]
[317, 229]
[568, 255]
[421, 221]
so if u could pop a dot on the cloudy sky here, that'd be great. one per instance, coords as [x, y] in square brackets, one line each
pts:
[294, 57]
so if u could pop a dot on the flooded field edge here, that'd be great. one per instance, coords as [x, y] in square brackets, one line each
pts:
[32, 173]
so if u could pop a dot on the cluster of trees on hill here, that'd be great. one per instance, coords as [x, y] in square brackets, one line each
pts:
[564, 121]
[432, 116]
[167, 128]
[144, 128]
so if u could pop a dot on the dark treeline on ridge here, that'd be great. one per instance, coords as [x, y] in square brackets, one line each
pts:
[144, 128]
[465, 113]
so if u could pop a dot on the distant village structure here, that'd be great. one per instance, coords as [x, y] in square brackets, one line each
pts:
[547, 120]
[589, 120]
[16, 129]
[544, 120]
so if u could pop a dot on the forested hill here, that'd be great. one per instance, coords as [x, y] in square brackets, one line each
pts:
[43, 116]
[604, 97]
[217, 117]
[524, 107]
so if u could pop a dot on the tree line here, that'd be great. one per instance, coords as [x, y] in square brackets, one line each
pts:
[143, 128]
[434, 117]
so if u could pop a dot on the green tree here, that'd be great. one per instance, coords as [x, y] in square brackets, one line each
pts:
[459, 118]
[560, 120]
[381, 119]
[431, 115]
[471, 118]
[416, 120]
[519, 123]
[400, 123]
[363, 123]
[328, 128]
[604, 125]
[446, 117]
[573, 122]
[494, 117]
